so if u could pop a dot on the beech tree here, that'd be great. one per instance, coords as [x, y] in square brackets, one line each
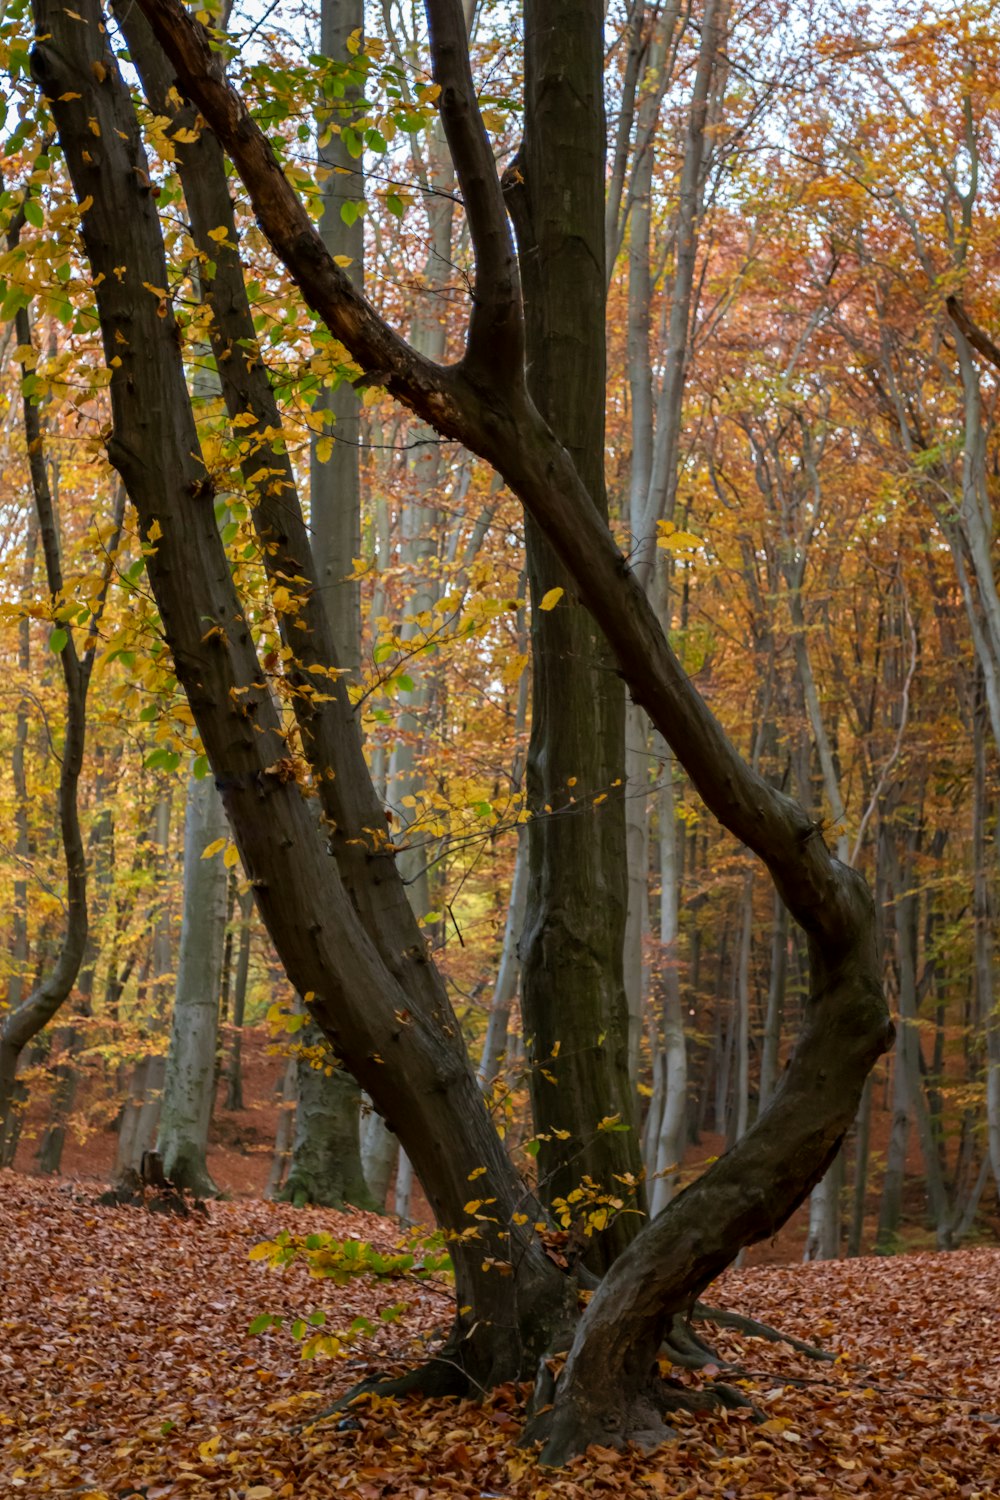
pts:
[330, 893]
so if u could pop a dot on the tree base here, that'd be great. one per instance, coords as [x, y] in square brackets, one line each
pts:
[152, 1190]
[638, 1421]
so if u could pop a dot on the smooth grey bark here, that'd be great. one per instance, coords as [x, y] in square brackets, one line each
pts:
[234, 1067]
[668, 1106]
[141, 1113]
[285, 1133]
[379, 1153]
[770, 1050]
[189, 1078]
[505, 986]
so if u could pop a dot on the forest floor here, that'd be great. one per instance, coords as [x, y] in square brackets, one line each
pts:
[127, 1369]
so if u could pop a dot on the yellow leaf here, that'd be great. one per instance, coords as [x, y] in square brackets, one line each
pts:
[343, 260]
[259, 1492]
[678, 541]
[324, 448]
[213, 848]
[210, 1448]
[218, 235]
[230, 857]
[551, 599]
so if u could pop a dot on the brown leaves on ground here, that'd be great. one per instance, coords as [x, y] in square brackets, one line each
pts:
[126, 1369]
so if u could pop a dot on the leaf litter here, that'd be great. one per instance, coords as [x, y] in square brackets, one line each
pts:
[128, 1372]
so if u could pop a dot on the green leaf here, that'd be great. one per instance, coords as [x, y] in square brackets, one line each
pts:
[264, 1320]
[58, 639]
[34, 213]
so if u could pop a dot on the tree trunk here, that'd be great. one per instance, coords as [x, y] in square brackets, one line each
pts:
[325, 1165]
[576, 1023]
[285, 1132]
[771, 1051]
[189, 1079]
[234, 1071]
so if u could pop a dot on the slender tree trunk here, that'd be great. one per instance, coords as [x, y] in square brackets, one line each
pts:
[234, 1071]
[670, 1110]
[285, 1132]
[189, 1079]
[770, 1054]
[862, 1146]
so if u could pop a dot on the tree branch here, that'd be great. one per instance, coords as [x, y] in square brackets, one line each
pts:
[979, 340]
[496, 332]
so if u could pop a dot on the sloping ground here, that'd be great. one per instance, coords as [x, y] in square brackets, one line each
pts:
[127, 1369]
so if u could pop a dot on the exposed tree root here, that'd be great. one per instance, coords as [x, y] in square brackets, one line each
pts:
[437, 1377]
[726, 1319]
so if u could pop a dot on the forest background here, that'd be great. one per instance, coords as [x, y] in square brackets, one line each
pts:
[800, 461]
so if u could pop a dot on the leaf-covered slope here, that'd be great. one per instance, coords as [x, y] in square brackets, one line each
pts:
[126, 1368]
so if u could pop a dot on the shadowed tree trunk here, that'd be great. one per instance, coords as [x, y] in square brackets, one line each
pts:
[573, 997]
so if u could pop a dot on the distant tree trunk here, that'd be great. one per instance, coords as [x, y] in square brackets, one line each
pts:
[141, 1113]
[404, 1188]
[770, 1054]
[891, 1207]
[509, 967]
[325, 1162]
[669, 1104]
[862, 1146]
[505, 987]
[189, 1079]
[234, 1071]
[379, 1154]
[984, 962]
[285, 1132]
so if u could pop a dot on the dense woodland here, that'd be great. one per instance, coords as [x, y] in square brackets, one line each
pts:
[501, 647]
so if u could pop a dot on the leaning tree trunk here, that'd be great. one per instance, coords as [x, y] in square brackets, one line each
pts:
[415, 1067]
[189, 1082]
[342, 926]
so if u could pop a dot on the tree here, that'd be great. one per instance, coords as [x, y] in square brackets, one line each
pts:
[337, 928]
